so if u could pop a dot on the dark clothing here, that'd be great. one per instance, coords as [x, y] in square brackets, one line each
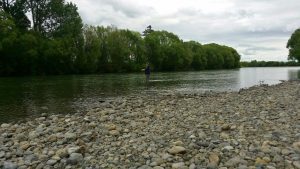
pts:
[147, 71]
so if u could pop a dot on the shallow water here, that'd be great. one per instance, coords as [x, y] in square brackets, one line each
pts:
[29, 96]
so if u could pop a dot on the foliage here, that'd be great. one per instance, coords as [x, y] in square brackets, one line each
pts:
[294, 46]
[255, 63]
[17, 10]
[58, 43]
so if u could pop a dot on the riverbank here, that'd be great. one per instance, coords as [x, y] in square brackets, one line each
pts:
[255, 127]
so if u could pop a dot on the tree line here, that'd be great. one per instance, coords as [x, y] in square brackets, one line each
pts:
[48, 37]
[255, 63]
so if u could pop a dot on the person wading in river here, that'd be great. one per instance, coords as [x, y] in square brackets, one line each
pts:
[147, 73]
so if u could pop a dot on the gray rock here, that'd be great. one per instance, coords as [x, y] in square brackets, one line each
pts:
[202, 135]
[2, 154]
[145, 167]
[32, 135]
[73, 150]
[296, 146]
[70, 136]
[21, 137]
[225, 127]
[214, 159]
[5, 125]
[51, 162]
[180, 165]
[31, 158]
[24, 145]
[192, 166]
[296, 164]
[242, 167]
[9, 165]
[40, 129]
[8, 155]
[158, 167]
[212, 166]
[234, 162]
[114, 132]
[228, 148]
[177, 150]
[62, 153]
[75, 158]
[270, 167]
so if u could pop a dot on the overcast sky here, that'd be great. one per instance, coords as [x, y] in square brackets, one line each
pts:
[258, 29]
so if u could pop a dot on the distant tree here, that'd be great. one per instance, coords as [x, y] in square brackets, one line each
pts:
[255, 63]
[148, 30]
[294, 46]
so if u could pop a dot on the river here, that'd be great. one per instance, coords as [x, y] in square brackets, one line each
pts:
[23, 97]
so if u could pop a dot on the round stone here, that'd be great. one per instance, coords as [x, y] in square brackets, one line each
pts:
[51, 162]
[9, 165]
[177, 150]
[75, 158]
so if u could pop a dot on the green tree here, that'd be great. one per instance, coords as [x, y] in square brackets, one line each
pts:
[27, 54]
[88, 62]
[294, 46]
[17, 10]
[55, 18]
[199, 61]
[8, 38]
[160, 49]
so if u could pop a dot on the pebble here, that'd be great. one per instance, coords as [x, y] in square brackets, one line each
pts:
[62, 153]
[234, 162]
[296, 164]
[5, 125]
[9, 165]
[225, 127]
[70, 136]
[75, 158]
[259, 162]
[296, 146]
[214, 159]
[180, 165]
[114, 132]
[70, 150]
[158, 167]
[2, 154]
[24, 145]
[177, 150]
[228, 148]
[51, 162]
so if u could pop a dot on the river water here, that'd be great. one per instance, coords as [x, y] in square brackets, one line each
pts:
[24, 97]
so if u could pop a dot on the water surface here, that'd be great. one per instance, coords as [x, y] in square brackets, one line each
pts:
[30, 96]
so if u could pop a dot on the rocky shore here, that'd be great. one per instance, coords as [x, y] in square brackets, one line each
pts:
[254, 128]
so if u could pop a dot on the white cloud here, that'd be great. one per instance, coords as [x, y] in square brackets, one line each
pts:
[258, 29]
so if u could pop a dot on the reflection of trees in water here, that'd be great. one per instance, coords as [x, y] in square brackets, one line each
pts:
[293, 74]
